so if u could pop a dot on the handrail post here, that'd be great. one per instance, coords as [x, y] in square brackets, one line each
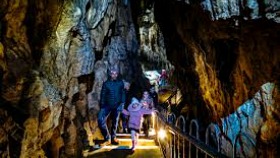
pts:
[171, 146]
[172, 116]
[207, 136]
[153, 119]
[184, 123]
[174, 146]
[176, 132]
[193, 121]
[178, 147]
[178, 122]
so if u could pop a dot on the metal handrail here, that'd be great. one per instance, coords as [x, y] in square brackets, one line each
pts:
[207, 135]
[171, 96]
[181, 118]
[171, 116]
[196, 136]
[176, 129]
[176, 133]
[193, 121]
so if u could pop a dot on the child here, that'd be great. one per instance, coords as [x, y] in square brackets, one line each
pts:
[136, 113]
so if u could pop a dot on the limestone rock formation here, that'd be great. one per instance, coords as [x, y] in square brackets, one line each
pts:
[54, 57]
[222, 56]
[253, 129]
[152, 47]
[47, 52]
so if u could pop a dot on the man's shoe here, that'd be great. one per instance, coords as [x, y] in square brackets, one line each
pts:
[115, 141]
[107, 142]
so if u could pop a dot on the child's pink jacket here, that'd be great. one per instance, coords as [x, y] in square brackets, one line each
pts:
[136, 117]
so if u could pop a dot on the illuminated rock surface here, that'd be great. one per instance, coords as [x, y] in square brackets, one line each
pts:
[54, 56]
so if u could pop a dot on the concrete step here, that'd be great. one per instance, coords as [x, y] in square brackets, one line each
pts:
[152, 133]
[126, 135]
[145, 148]
[141, 142]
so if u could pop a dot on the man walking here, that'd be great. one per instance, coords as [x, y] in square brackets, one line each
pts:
[154, 95]
[112, 101]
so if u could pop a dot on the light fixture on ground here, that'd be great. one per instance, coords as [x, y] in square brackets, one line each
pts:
[162, 133]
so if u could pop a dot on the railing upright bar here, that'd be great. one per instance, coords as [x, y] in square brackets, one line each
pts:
[197, 134]
[172, 143]
[174, 146]
[171, 116]
[179, 121]
[178, 147]
[207, 136]
[178, 138]
[173, 130]
[181, 118]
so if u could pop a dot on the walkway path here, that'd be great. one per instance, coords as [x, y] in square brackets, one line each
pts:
[146, 148]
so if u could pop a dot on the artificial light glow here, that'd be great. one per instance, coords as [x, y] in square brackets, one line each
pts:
[153, 119]
[153, 114]
[161, 133]
[152, 132]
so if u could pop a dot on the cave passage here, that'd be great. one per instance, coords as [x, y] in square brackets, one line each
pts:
[212, 69]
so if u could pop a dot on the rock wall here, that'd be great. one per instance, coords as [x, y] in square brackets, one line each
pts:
[152, 48]
[230, 59]
[223, 53]
[253, 129]
[54, 57]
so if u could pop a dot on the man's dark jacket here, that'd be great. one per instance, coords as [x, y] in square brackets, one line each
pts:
[112, 94]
